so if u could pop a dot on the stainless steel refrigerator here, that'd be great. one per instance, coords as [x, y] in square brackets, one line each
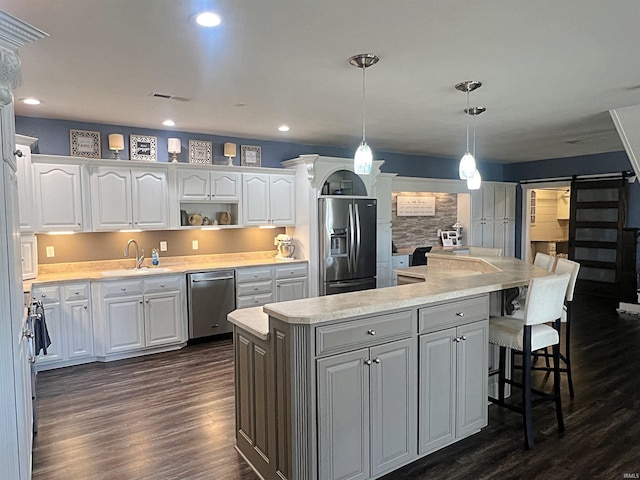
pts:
[347, 244]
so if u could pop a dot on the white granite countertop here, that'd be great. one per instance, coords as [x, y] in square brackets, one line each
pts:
[439, 285]
[252, 320]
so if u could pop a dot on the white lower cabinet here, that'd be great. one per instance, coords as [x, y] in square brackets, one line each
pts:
[67, 310]
[453, 385]
[137, 315]
[366, 403]
[257, 286]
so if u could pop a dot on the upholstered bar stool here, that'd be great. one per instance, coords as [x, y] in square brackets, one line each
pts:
[545, 261]
[572, 268]
[544, 303]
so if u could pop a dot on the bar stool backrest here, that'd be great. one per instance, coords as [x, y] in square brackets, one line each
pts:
[545, 261]
[545, 298]
[572, 268]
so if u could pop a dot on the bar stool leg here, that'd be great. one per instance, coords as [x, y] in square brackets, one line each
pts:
[556, 381]
[527, 411]
[567, 349]
[501, 374]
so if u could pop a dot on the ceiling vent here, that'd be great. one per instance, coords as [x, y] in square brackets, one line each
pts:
[170, 97]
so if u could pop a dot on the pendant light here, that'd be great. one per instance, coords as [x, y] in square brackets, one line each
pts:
[363, 159]
[474, 182]
[468, 162]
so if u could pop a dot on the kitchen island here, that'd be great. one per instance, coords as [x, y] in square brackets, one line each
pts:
[359, 384]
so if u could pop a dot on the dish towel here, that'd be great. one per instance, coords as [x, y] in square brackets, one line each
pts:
[40, 331]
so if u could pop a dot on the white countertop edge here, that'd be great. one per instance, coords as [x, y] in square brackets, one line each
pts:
[252, 320]
[284, 312]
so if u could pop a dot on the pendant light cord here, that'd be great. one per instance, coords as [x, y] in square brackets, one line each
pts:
[364, 102]
[468, 121]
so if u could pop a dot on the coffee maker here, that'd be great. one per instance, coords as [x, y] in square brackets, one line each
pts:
[285, 245]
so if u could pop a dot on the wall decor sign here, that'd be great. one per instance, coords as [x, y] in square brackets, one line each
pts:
[250, 156]
[84, 143]
[200, 151]
[415, 206]
[144, 148]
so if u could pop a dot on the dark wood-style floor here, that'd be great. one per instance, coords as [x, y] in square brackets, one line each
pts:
[170, 416]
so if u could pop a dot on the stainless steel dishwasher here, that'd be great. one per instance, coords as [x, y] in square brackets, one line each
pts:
[211, 297]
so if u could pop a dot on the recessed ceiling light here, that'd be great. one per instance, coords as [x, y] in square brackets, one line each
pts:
[169, 123]
[30, 101]
[208, 19]
[283, 128]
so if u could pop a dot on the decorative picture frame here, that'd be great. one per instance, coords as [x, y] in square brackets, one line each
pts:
[200, 151]
[250, 156]
[143, 148]
[84, 143]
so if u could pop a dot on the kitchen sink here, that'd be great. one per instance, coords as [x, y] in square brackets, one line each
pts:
[125, 272]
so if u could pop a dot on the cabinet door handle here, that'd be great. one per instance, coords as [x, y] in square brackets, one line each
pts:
[140, 302]
[376, 360]
[463, 337]
[85, 307]
[456, 339]
[371, 332]
[18, 153]
[460, 314]
[147, 301]
[367, 361]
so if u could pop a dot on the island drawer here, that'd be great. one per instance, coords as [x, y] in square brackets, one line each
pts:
[45, 294]
[453, 313]
[361, 333]
[253, 274]
[76, 291]
[254, 287]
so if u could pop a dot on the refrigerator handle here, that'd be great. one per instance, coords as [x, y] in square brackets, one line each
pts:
[352, 240]
[358, 239]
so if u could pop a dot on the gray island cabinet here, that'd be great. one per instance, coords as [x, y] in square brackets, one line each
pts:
[340, 396]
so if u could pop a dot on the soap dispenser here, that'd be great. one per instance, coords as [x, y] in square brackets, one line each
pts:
[154, 257]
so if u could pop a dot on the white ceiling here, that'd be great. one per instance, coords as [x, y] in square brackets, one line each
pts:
[551, 70]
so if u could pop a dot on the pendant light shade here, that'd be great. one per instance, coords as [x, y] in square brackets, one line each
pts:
[363, 159]
[467, 166]
[475, 181]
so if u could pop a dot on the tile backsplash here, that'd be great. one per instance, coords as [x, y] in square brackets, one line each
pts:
[422, 231]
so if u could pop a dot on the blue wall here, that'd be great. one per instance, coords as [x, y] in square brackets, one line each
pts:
[53, 139]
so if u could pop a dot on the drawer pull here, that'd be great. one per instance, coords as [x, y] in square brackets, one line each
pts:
[255, 275]
[460, 314]
[255, 288]
[43, 295]
[77, 293]
[123, 288]
[161, 286]
[371, 332]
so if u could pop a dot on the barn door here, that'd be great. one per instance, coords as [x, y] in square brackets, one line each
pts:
[598, 214]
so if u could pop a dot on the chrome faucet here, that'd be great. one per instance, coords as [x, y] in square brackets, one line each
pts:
[139, 259]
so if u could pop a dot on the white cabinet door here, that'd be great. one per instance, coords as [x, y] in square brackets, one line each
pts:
[162, 318]
[79, 329]
[26, 202]
[58, 197]
[29, 252]
[150, 196]
[225, 186]
[505, 202]
[111, 198]
[194, 185]
[291, 289]
[282, 200]
[255, 198]
[124, 323]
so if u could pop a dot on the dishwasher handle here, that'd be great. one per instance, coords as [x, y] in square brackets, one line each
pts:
[211, 279]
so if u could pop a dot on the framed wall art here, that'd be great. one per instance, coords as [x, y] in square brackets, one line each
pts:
[144, 148]
[84, 143]
[200, 151]
[250, 156]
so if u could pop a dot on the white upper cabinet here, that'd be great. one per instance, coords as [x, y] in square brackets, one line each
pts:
[268, 199]
[126, 198]
[26, 202]
[202, 185]
[58, 197]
